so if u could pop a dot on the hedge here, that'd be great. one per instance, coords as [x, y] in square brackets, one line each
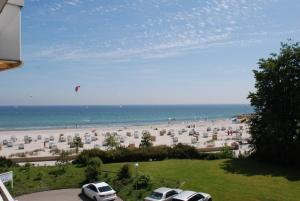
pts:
[156, 153]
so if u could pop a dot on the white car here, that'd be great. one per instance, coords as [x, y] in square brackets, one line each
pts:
[163, 194]
[99, 191]
[192, 196]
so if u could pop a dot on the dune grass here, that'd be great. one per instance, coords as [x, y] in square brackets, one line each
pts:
[231, 180]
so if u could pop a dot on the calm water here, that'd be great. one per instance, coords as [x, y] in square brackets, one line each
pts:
[42, 117]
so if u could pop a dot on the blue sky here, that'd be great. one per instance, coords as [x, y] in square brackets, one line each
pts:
[145, 51]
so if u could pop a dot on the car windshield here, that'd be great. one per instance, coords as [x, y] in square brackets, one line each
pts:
[105, 188]
[156, 195]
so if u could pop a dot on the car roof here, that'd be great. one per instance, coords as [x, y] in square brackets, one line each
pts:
[185, 194]
[162, 190]
[100, 184]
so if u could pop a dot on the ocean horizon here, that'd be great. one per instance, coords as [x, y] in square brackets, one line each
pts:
[32, 117]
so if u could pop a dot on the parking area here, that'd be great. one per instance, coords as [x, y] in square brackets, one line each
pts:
[56, 195]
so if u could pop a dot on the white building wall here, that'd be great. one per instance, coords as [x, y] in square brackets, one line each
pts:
[10, 31]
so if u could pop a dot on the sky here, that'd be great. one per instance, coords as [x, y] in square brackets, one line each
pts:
[145, 51]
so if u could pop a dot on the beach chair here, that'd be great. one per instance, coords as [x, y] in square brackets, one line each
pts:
[136, 135]
[4, 142]
[21, 146]
[9, 144]
[194, 140]
[205, 135]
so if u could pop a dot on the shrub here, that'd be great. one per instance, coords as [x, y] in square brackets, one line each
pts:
[143, 181]
[122, 154]
[86, 155]
[4, 162]
[93, 169]
[95, 162]
[63, 159]
[124, 172]
[38, 177]
[184, 151]
[226, 152]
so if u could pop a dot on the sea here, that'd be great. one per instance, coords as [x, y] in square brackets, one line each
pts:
[54, 117]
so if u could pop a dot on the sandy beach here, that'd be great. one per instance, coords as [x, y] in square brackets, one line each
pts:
[201, 134]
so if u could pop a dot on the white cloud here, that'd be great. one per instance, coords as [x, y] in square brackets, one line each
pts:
[157, 34]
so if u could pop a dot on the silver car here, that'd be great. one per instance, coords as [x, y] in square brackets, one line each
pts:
[163, 194]
[192, 196]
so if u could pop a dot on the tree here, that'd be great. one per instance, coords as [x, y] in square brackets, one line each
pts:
[93, 169]
[275, 126]
[78, 143]
[111, 141]
[63, 159]
[146, 140]
[124, 172]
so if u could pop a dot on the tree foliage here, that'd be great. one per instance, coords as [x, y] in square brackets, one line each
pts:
[124, 172]
[63, 159]
[111, 141]
[275, 127]
[78, 143]
[146, 140]
[93, 169]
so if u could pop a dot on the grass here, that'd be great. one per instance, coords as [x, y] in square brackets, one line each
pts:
[232, 180]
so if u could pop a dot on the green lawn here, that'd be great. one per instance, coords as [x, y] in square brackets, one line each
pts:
[224, 179]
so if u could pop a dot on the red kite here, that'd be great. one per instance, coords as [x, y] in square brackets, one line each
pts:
[77, 88]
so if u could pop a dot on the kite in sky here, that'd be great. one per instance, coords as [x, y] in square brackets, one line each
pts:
[77, 88]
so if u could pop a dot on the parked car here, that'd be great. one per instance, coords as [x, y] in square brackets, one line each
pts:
[163, 194]
[99, 191]
[192, 196]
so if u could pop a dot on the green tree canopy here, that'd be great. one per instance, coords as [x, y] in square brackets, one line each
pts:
[111, 141]
[146, 140]
[93, 169]
[275, 125]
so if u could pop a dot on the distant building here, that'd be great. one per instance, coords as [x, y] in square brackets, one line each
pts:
[10, 33]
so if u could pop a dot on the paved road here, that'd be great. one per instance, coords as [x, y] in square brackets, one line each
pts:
[56, 195]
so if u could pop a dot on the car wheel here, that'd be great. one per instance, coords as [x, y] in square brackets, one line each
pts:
[209, 199]
[95, 199]
[82, 192]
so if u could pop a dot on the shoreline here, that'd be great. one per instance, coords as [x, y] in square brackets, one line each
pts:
[101, 125]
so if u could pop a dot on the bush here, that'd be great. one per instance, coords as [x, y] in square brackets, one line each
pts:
[184, 151]
[124, 172]
[93, 169]
[6, 163]
[226, 152]
[95, 162]
[143, 181]
[122, 154]
[86, 155]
